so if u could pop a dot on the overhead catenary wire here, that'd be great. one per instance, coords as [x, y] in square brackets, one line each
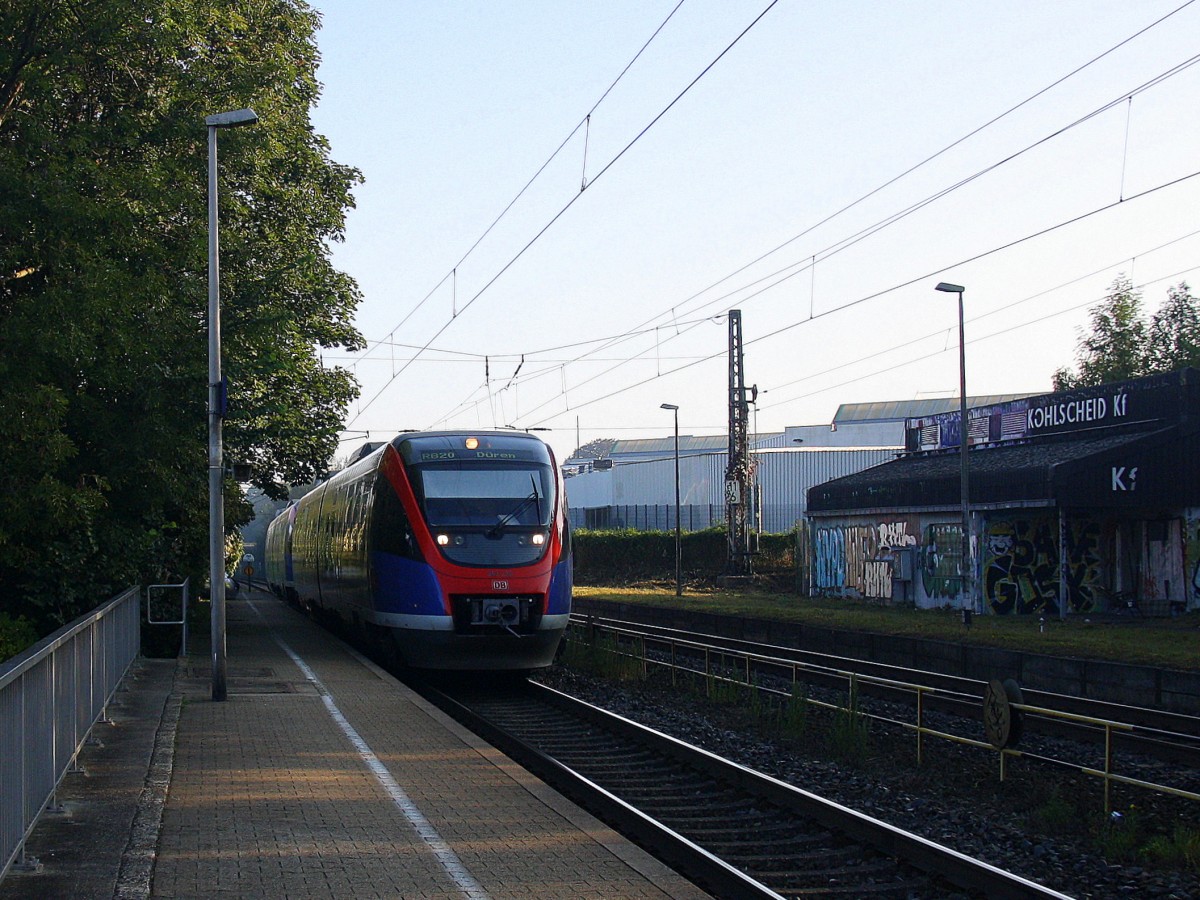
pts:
[912, 169]
[794, 268]
[453, 273]
[791, 270]
[620, 154]
[810, 262]
[926, 276]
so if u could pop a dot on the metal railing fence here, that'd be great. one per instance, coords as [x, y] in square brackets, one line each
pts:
[724, 668]
[50, 697]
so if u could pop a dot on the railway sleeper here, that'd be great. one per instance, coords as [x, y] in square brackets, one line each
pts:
[793, 876]
[902, 889]
[815, 843]
[789, 853]
[704, 830]
[684, 791]
[740, 814]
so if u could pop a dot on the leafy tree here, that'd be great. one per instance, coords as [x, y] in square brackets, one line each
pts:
[103, 283]
[594, 449]
[1116, 347]
[1175, 331]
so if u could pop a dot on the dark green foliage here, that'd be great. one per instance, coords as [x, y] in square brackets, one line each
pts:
[15, 635]
[103, 283]
[619, 557]
[1121, 345]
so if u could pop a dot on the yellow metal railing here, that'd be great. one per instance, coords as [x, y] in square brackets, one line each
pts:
[743, 662]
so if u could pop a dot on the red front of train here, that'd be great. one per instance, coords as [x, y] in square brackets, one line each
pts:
[451, 547]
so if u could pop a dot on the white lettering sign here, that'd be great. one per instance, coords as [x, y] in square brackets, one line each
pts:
[1124, 479]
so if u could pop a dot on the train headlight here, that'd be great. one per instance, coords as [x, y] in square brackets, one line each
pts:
[443, 540]
[472, 443]
[539, 539]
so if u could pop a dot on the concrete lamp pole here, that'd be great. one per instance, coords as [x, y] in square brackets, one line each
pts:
[216, 406]
[966, 590]
[678, 537]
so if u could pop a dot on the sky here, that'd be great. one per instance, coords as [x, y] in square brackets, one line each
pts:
[537, 250]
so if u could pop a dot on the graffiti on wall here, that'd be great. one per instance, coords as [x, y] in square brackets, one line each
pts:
[1021, 565]
[877, 579]
[1192, 549]
[941, 557]
[1163, 579]
[1085, 565]
[830, 562]
[860, 557]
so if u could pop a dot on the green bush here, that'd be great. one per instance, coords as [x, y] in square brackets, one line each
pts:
[15, 635]
[624, 555]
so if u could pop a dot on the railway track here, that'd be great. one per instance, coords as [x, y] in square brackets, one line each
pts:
[1158, 734]
[738, 833]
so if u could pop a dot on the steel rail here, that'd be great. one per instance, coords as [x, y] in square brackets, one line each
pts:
[855, 680]
[716, 875]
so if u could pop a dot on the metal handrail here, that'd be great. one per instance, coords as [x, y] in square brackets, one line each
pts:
[50, 697]
[853, 678]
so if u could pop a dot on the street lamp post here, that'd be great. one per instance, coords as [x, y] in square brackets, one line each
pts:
[678, 537]
[216, 406]
[966, 589]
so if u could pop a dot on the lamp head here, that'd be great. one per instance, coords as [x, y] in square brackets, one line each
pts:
[948, 288]
[668, 406]
[232, 119]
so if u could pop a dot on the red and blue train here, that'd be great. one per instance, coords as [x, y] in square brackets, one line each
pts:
[449, 549]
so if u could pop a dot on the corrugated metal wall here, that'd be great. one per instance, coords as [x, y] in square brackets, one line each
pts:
[785, 475]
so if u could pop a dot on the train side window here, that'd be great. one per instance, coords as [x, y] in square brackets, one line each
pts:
[391, 531]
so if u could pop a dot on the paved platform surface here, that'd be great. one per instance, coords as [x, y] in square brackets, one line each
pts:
[319, 776]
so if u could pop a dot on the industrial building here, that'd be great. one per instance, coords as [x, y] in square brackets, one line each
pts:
[1080, 502]
[633, 484]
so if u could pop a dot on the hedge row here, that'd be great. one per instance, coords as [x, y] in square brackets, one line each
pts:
[622, 556]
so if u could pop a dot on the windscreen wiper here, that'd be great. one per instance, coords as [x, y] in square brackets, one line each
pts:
[534, 497]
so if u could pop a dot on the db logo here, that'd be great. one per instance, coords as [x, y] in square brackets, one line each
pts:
[499, 585]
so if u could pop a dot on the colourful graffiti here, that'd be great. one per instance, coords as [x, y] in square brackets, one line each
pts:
[1192, 549]
[830, 552]
[860, 557]
[941, 558]
[877, 579]
[1021, 565]
[1085, 565]
[895, 534]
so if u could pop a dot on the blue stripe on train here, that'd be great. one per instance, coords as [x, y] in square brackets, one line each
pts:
[409, 587]
[559, 600]
[406, 586]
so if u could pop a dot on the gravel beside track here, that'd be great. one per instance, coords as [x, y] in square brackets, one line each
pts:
[1040, 823]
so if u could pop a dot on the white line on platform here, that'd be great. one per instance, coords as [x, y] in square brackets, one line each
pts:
[454, 867]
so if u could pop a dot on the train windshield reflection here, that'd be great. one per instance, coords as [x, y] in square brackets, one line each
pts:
[455, 495]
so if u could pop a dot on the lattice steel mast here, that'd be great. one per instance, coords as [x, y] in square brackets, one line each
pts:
[739, 476]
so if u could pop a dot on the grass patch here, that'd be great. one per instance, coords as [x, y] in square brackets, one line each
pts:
[1180, 848]
[1169, 643]
[850, 733]
[1119, 838]
[603, 656]
[1056, 815]
[793, 723]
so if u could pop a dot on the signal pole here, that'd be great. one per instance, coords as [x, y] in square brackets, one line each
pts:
[739, 475]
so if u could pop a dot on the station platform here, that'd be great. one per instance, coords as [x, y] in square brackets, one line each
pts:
[320, 776]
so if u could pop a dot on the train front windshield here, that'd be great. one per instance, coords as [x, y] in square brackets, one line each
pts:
[496, 496]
